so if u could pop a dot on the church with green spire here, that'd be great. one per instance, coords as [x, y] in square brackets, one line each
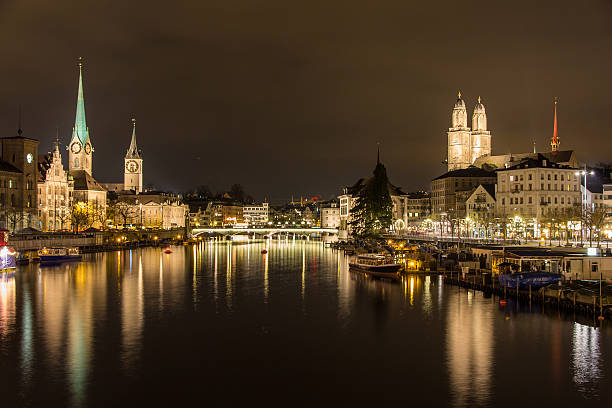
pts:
[80, 155]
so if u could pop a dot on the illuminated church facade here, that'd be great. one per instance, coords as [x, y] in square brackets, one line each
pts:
[466, 144]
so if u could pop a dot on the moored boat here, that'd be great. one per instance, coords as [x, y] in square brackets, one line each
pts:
[377, 265]
[55, 255]
[524, 280]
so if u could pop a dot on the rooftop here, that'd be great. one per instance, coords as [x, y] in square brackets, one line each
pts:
[468, 172]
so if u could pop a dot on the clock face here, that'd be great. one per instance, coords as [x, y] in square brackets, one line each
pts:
[87, 148]
[131, 166]
[29, 157]
[75, 147]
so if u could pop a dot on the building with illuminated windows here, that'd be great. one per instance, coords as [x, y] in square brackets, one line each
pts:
[256, 214]
[18, 174]
[55, 188]
[535, 189]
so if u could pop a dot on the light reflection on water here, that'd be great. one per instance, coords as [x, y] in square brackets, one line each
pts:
[74, 333]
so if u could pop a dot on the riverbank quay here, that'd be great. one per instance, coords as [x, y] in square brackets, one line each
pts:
[576, 296]
[97, 241]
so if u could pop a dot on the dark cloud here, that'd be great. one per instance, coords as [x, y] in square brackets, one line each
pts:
[290, 99]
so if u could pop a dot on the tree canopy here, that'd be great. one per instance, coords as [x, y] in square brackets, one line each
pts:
[373, 211]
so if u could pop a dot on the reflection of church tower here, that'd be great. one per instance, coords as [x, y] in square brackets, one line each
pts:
[132, 179]
[459, 149]
[480, 143]
[81, 151]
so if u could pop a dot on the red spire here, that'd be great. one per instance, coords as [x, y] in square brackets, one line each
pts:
[554, 143]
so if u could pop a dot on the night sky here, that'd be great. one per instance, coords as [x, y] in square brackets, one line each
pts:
[289, 98]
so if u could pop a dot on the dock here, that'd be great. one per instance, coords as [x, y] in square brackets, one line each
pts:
[577, 296]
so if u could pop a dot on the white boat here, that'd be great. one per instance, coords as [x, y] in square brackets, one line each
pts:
[56, 255]
[378, 265]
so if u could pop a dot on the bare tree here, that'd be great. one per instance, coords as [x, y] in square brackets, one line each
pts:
[124, 211]
[15, 217]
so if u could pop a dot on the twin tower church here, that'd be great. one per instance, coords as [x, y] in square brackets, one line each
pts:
[81, 153]
[465, 145]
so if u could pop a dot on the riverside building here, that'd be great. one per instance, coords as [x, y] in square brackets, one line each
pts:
[55, 189]
[256, 214]
[537, 189]
[18, 175]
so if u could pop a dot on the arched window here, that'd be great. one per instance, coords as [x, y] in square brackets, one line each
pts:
[76, 162]
[13, 200]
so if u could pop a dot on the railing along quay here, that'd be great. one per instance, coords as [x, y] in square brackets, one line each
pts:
[563, 297]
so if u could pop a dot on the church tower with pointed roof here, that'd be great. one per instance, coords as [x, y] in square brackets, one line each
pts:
[459, 148]
[480, 139]
[132, 178]
[80, 148]
[465, 145]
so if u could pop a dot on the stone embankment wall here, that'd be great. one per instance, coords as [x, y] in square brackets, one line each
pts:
[27, 242]
[93, 240]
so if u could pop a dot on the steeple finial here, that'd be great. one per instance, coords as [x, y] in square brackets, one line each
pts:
[377, 153]
[478, 98]
[554, 143]
[534, 146]
[19, 129]
[459, 95]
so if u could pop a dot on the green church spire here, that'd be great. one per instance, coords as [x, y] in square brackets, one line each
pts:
[80, 130]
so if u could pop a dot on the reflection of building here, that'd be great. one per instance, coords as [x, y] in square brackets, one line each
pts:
[469, 349]
[464, 144]
[55, 188]
[586, 359]
[8, 302]
[256, 214]
[86, 188]
[18, 173]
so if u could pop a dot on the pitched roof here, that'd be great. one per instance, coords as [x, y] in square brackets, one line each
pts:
[84, 181]
[539, 161]
[490, 188]
[6, 166]
[133, 152]
[467, 172]
[355, 188]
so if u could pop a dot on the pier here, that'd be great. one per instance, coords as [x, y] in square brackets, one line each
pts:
[577, 296]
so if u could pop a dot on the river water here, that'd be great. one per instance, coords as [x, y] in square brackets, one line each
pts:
[221, 323]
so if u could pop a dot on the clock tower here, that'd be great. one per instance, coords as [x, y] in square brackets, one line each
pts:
[132, 179]
[80, 149]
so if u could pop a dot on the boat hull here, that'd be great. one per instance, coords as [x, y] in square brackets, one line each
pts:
[55, 259]
[524, 280]
[390, 271]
